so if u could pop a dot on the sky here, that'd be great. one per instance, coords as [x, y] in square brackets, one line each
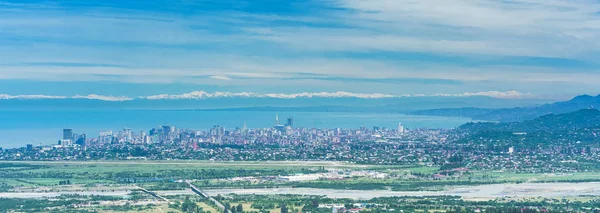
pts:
[125, 49]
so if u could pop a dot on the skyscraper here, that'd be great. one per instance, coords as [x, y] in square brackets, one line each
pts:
[400, 128]
[167, 133]
[167, 130]
[67, 134]
[290, 122]
[278, 127]
[81, 140]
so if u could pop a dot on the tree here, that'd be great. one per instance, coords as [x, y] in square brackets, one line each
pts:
[315, 203]
[240, 208]
[284, 208]
[188, 205]
[227, 207]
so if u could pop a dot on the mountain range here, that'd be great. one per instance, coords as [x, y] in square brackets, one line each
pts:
[517, 113]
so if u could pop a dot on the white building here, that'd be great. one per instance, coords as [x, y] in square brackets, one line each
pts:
[337, 208]
[303, 177]
[65, 143]
[400, 128]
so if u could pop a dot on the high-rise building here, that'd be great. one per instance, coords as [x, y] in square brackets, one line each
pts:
[245, 130]
[221, 131]
[400, 128]
[278, 127]
[217, 130]
[147, 139]
[290, 121]
[127, 134]
[167, 130]
[67, 134]
[81, 140]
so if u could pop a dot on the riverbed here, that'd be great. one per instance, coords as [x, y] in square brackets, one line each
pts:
[490, 191]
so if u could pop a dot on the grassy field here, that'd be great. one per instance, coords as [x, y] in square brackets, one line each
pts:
[207, 207]
[248, 207]
[530, 177]
[164, 208]
[106, 172]
[31, 174]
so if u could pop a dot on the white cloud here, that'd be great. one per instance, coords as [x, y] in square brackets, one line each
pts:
[102, 97]
[5, 96]
[91, 97]
[220, 77]
[494, 94]
[205, 95]
[553, 28]
[340, 94]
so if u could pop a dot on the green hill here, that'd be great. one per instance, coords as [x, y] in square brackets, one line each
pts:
[581, 127]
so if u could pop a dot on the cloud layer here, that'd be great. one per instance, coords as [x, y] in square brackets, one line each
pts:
[90, 97]
[198, 95]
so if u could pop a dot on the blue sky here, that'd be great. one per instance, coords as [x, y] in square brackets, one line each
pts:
[539, 48]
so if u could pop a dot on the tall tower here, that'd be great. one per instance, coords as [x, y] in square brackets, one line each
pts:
[276, 118]
[290, 121]
[245, 129]
[400, 128]
[67, 134]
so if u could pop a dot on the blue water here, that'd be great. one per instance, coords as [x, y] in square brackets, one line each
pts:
[18, 128]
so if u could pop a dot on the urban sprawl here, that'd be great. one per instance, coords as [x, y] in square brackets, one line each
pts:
[452, 149]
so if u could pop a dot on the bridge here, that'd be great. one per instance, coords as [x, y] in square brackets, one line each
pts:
[153, 194]
[203, 194]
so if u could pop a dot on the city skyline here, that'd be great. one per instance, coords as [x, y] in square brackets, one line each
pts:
[109, 50]
[167, 134]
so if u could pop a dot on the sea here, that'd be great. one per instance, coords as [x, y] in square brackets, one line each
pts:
[44, 127]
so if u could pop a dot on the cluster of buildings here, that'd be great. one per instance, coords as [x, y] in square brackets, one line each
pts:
[70, 139]
[332, 174]
[354, 208]
[280, 133]
[283, 141]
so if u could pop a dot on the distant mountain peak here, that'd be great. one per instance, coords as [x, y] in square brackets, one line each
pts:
[584, 98]
[520, 113]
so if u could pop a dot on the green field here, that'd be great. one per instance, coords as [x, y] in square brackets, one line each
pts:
[23, 174]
